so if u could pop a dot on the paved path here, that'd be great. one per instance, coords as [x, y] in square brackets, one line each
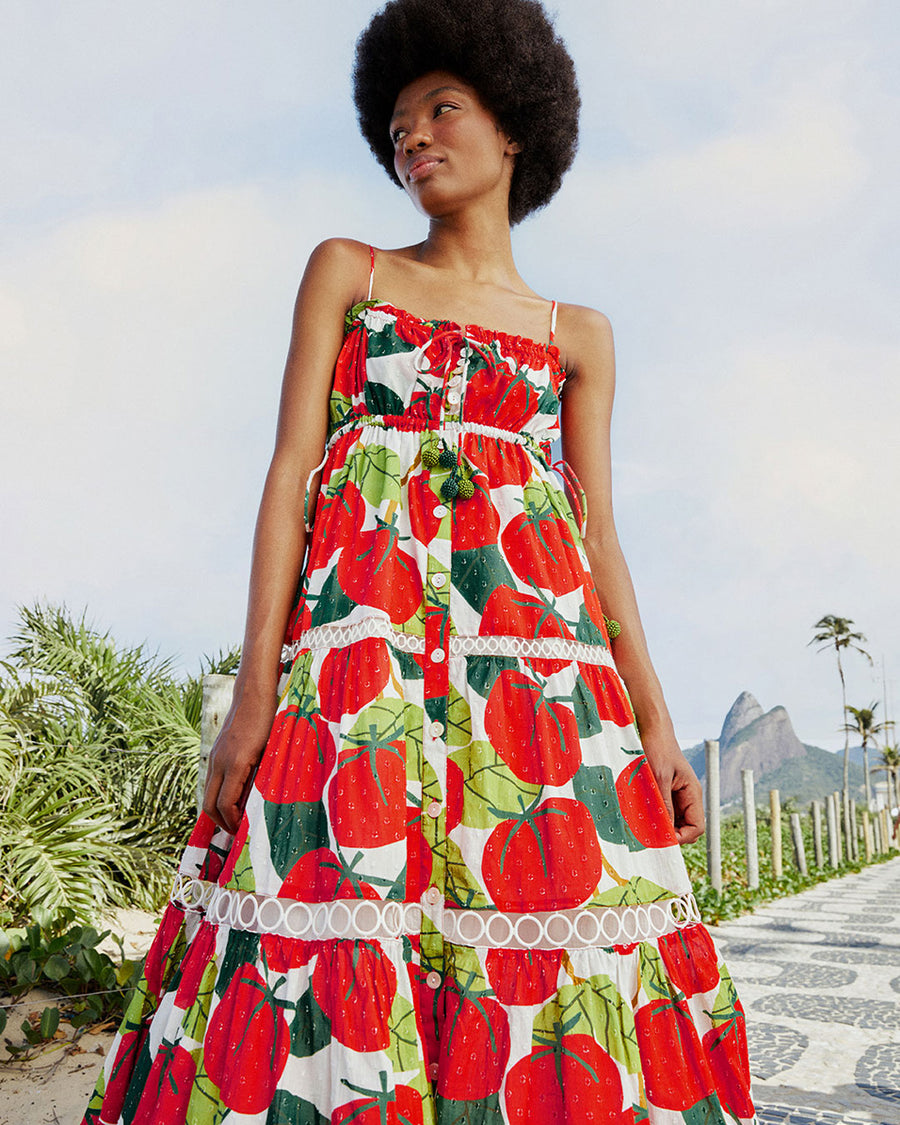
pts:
[819, 978]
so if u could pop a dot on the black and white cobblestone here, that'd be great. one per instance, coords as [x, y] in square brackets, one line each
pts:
[818, 977]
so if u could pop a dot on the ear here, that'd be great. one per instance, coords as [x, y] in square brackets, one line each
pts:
[513, 147]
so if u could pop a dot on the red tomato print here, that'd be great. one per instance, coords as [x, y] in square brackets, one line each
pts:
[726, 1047]
[128, 1048]
[195, 964]
[351, 361]
[506, 400]
[401, 1106]
[676, 1071]
[248, 1020]
[158, 965]
[511, 613]
[547, 858]
[569, 1083]
[475, 522]
[374, 570]
[168, 1087]
[418, 855]
[475, 1050]
[352, 677]
[354, 984]
[422, 502]
[319, 876]
[523, 976]
[690, 959]
[297, 760]
[540, 548]
[642, 806]
[367, 795]
[455, 783]
[535, 735]
[499, 464]
[608, 692]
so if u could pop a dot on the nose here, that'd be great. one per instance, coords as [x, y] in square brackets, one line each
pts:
[418, 137]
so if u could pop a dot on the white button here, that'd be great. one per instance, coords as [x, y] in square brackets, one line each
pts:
[433, 980]
[454, 381]
[440, 511]
[438, 655]
[436, 729]
[453, 397]
[433, 1071]
[433, 896]
[438, 580]
[434, 810]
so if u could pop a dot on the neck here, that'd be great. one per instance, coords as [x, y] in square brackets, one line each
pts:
[474, 244]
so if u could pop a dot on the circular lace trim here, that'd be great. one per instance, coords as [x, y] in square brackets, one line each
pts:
[365, 919]
[546, 648]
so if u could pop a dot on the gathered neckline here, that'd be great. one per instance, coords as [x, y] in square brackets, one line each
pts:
[549, 349]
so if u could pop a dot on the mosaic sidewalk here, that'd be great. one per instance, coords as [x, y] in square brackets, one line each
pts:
[819, 977]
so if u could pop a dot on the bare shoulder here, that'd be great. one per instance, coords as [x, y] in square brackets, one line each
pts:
[585, 340]
[339, 266]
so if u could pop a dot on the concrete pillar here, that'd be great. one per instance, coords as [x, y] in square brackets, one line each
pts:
[751, 845]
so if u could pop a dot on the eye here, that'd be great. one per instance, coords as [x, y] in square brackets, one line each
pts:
[438, 109]
[397, 135]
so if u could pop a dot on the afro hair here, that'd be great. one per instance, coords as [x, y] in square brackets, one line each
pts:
[507, 50]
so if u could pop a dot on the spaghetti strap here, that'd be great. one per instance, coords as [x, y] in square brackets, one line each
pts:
[371, 272]
[553, 321]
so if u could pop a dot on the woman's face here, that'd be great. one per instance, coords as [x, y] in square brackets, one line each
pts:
[448, 147]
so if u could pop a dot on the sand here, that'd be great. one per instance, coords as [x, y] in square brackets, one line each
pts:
[54, 1088]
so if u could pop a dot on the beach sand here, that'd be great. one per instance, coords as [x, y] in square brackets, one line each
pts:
[54, 1088]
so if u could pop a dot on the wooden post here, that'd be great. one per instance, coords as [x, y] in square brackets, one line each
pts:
[867, 835]
[775, 810]
[217, 694]
[854, 830]
[713, 816]
[817, 833]
[799, 847]
[876, 826]
[837, 825]
[848, 834]
[834, 847]
[886, 829]
[751, 846]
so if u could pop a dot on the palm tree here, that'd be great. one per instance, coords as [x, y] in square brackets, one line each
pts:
[868, 730]
[890, 764]
[836, 632]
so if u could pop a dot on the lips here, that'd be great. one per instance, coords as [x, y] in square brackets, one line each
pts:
[421, 167]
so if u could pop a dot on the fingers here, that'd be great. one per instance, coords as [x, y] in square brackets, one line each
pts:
[690, 822]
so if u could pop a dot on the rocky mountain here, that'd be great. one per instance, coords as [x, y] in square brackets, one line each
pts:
[765, 741]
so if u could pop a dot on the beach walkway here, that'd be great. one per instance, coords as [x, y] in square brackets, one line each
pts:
[819, 978]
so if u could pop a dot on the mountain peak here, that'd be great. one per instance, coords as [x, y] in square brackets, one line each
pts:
[743, 712]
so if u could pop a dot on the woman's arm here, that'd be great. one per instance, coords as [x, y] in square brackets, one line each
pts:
[329, 287]
[588, 355]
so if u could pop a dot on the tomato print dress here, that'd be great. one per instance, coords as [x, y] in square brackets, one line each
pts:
[454, 896]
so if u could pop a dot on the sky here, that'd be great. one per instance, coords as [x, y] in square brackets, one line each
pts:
[732, 209]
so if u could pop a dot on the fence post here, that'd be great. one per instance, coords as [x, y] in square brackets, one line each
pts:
[867, 835]
[854, 829]
[834, 847]
[217, 694]
[713, 816]
[799, 847]
[775, 810]
[837, 818]
[876, 825]
[751, 846]
[817, 833]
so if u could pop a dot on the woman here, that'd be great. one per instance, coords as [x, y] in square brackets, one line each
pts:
[444, 884]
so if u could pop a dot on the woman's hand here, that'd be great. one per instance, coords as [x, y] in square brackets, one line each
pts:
[678, 785]
[233, 758]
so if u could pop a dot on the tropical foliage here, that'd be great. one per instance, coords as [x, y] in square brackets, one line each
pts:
[868, 729]
[98, 767]
[836, 632]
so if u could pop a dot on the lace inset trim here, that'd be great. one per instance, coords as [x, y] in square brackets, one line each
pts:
[547, 648]
[364, 919]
